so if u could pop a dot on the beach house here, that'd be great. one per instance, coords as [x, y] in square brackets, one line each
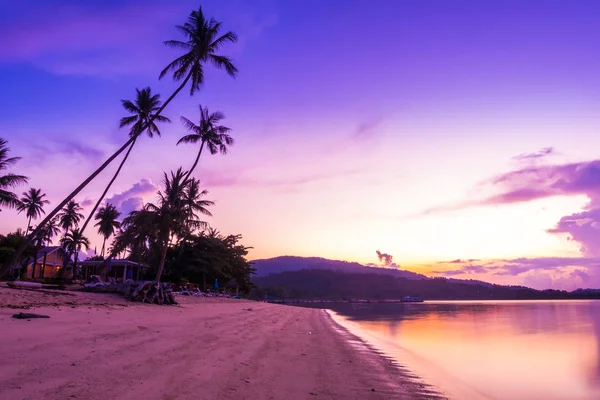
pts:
[117, 269]
[48, 263]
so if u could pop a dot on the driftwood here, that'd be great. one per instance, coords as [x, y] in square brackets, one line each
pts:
[144, 292]
[29, 316]
[152, 292]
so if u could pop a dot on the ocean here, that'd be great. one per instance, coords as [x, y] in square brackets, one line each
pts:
[500, 350]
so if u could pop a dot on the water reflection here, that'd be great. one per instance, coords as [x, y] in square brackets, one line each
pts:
[502, 350]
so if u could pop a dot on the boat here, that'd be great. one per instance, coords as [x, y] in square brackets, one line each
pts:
[410, 299]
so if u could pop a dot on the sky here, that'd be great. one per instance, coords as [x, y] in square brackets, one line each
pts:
[459, 137]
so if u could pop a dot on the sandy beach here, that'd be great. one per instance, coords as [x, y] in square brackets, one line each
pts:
[101, 347]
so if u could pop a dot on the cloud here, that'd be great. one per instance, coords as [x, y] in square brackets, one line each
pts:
[132, 199]
[542, 153]
[459, 261]
[236, 179]
[85, 37]
[62, 147]
[583, 228]
[87, 202]
[385, 259]
[536, 182]
[367, 129]
[539, 272]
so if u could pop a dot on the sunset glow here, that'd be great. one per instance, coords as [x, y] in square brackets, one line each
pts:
[463, 140]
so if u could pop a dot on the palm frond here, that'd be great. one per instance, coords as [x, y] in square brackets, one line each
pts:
[224, 62]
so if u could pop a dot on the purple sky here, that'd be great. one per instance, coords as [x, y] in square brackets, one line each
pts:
[431, 130]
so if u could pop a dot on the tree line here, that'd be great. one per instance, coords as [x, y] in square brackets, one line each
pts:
[170, 234]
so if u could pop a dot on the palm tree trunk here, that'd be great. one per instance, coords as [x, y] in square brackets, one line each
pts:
[79, 188]
[34, 263]
[195, 163]
[163, 257]
[75, 263]
[89, 218]
[103, 243]
[28, 226]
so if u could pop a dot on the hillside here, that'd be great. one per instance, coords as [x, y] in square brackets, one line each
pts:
[292, 263]
[338, 285]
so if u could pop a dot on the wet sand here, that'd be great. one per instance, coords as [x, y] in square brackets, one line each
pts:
[201, 349]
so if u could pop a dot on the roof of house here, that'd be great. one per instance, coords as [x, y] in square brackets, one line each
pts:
[43, 251]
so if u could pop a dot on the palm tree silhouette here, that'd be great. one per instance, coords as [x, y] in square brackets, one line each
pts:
[144, 114]
[201, 45]
[72, 243]
[202, 42]
[32, 203]
[70, 216]
[208, 132]
[48, 232]
[107, 222]
[10, 180]
[170, 213]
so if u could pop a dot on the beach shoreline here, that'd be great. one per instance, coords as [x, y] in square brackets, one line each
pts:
[200, 349]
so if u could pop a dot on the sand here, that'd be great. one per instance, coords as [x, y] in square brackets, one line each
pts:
[101, 347]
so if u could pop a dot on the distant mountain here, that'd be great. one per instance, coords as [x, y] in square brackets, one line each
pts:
[291, 263]
[329, 284]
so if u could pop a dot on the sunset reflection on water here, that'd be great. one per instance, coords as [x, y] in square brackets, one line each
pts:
[497, 350]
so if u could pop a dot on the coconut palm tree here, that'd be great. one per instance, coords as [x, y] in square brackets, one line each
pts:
[208, 132]
[9, 181]
[48, 232]
[202, 42]
[32, 203]
[70, 216]
[107, 222]
[195, 204]
[72, 243]
[169, 213]
[143, 119]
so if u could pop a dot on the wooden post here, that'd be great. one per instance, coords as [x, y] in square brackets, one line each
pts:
[44, 264]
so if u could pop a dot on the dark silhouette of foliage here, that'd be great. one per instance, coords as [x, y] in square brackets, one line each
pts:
[10, 180]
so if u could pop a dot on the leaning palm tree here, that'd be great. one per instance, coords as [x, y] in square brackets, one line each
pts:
[144, 114]
[107, 222]
[9, 181]
[32, 203]
[72, 243]
[202, 42]
[208, 132]
[70, 216]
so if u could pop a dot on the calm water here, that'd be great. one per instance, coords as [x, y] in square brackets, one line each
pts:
[489, 350]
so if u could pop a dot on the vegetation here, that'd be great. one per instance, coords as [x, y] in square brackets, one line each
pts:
[201, 44]
[144, 112]
[107, 223]
[32, 203]
[72, 242]
[169, 235]
[10, 180]
[70, 216]
[337, 285]
[208, 132]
